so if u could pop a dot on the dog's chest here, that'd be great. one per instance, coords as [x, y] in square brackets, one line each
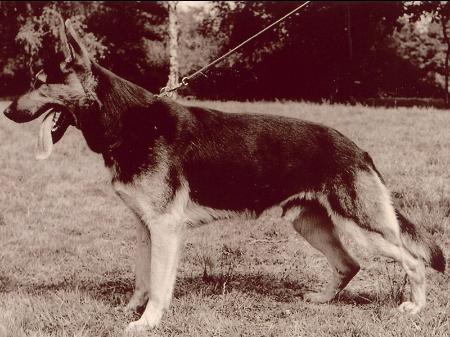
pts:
[148, 194]
[153, 199]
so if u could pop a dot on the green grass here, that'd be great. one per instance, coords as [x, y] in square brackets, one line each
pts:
[67, 243]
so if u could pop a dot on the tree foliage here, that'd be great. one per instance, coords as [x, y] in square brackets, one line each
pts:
[430, 49]
[41, 33]
[329, 50]
[126, 37]
[135, 34]
[422, 46]
[339, 51]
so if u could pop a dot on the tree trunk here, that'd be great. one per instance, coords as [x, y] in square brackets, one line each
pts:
[344, 77]
[31, 54]
[350, 75]
[349, 33]
[447, 54]
[173, 48]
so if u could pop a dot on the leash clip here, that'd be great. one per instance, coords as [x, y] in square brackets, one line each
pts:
[164, 91]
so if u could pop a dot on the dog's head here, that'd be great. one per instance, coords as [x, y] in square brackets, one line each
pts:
[63, 92]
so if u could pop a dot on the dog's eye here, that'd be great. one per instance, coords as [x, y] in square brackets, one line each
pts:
[41, 77]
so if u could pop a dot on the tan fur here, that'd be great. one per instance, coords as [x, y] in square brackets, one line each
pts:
[142, 267]
[301, 196]
[166, 226]
[165, 221]
[384, 236]
[317, 228]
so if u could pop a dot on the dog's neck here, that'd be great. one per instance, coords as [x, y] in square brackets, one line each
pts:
[118, 95]
[127, 124]
[114, 99]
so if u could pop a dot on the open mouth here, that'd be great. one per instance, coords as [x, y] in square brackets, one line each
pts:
[53, 127]
[61, 121]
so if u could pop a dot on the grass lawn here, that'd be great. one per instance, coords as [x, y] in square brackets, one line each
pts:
[67, 242]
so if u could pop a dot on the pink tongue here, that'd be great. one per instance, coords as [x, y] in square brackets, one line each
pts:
[45, 141]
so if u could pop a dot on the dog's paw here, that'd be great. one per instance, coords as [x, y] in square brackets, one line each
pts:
[410, 307]
[139, 326]
[320, 297]
[149, 320]
[136, 326]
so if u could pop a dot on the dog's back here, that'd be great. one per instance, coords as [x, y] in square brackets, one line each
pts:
[249, 161]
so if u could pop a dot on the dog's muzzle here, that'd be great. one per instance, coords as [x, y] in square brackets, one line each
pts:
[9, 111]
[12, 113]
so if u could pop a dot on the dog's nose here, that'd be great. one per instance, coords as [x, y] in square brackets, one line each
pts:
[9, 111]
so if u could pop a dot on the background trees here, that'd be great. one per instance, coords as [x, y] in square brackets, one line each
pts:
[429, 47]
[337, 51]
[343, 51]
[128, 38]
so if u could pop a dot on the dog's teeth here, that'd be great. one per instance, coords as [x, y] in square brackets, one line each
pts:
[55, 119]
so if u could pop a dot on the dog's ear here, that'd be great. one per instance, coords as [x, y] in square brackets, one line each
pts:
[63, 38]
[78, 53]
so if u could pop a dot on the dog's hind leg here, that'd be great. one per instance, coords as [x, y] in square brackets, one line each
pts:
[413, 266]
[314, 224]
[367, 212]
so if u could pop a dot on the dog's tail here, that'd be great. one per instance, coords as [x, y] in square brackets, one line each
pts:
[420, 244]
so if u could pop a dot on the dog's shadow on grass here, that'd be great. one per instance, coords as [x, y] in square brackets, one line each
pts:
[264, 285]
[117, 291]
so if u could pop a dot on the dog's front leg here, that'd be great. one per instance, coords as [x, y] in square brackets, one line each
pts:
[142, 268]
[166, 239]
[143, 251]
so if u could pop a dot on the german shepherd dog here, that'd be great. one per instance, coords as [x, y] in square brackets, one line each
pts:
[176, 166]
